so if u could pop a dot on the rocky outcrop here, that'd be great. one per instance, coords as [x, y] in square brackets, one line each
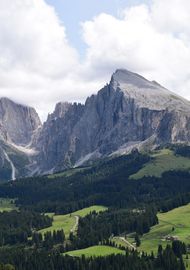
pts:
[55, 143]
[129, 111]
[18, 124]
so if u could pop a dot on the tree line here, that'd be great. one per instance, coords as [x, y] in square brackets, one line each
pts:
[17, 226]
[23, 259]
[95, 228]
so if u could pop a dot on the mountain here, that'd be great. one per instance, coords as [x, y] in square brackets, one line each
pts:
[18, 125]
[129, 112]
[17, 122]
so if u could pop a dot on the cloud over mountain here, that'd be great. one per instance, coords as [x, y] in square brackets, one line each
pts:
[152, 40]
[38, 65]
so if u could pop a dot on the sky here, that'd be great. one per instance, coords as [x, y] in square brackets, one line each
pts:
[83, 10]
[66, 50]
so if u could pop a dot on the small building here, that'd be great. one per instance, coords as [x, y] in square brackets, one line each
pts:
[171, 238]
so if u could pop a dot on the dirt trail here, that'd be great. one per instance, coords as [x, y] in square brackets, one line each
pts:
[74, 228]
[127, 242]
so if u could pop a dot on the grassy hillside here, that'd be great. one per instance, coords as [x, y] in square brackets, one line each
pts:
[67, 222]
[95, 251]
[7, 205]
[173, 223]
[162, 161]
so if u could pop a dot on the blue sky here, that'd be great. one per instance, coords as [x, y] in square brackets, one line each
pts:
[39, 67]
[72, 12]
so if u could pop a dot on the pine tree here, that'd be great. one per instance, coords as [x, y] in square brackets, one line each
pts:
[137, 240]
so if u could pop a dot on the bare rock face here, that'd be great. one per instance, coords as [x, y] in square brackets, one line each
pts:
[17, 122]
[129, 111]
[54, 141]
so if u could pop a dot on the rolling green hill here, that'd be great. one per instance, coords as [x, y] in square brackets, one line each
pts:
[175, 223]
[132, 208]
[67, 222]
[162, 161]
[7, 205]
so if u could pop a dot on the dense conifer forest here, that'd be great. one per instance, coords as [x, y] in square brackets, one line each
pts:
[132, 207]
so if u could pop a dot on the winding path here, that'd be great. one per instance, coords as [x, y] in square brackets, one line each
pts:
[74, 228]
[127, 242]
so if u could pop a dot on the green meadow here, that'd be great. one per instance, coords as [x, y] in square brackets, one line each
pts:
[68, 222]
[95, 251]
[7, 205]
[173, 223]
[162, 161]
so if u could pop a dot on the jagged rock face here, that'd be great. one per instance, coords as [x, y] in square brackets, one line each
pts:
[17, 122]
[55, 139]
[128, 111]
[174, 127]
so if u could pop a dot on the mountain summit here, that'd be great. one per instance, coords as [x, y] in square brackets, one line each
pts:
[130, 112]
[147, 94]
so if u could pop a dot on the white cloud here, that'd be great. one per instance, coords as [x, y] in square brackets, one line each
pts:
[39, 67]
[33, 39]
[34, 53]
[153, 41]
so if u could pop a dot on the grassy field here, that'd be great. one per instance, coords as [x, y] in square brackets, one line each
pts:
[67, 222]
[163, 160]
[7, 205]
[86, 211]
[95, 251]
[173, 223]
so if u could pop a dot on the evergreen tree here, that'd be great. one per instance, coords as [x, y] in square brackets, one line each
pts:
[137, 240]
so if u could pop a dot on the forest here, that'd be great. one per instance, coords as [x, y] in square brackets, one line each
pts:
[132, 207]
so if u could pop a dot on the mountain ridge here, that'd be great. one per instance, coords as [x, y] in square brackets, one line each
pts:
[129, 112]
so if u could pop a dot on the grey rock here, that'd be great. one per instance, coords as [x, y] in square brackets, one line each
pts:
[18, 125]
[17, 122]
[129, 111]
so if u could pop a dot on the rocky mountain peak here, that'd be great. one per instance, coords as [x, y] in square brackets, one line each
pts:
[124, 76]
[60, 110]
[147, 94]
[17, 122]
[130, 112]
[63, 109]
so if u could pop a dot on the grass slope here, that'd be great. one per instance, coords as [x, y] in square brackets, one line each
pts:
[67, 222]
[163, 160]
[179, 219]
[95, 251]
[7, 205]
